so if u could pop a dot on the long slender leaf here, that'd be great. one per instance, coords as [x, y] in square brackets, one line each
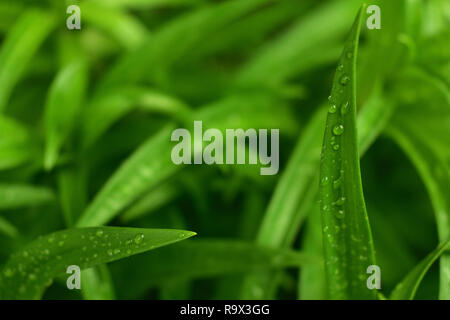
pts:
[348, 241]
[96, 284]
[63, 103]
[16, 145]
[21, 44]
[159, 53]
[104, 110]
[13, 196]
[305, 43]
[428, 151]
[30, 270]
[127, 30]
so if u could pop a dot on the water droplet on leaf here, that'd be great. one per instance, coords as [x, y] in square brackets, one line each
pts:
[338, 130]
[344, 79]
[139, 237]
[344, 108]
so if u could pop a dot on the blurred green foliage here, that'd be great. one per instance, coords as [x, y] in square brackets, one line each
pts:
[86, 117]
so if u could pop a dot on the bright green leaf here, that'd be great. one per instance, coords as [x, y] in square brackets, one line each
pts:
[63, 103]
[13, 196]
[347, 236]
[21, 44]
[30, 270]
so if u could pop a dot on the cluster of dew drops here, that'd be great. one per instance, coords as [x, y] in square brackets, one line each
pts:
[337, 131]
[344, 107]
[130, 244]
[38, 257]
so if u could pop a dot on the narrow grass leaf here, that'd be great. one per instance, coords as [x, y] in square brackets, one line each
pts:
[107, 108]
[124, 28]
[62, 107]
[427, 149]
[295, 194]
[312, 284]
[14, 196]
[347, 236]
[96, 284]
[157, 53]
[156, 198]
[304, 45]
[72, 193]
[16, 145]
[21, 44]
[30, 270]
[148, 166]
[406, 289]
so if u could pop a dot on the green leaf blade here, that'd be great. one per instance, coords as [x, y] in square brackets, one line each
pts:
[16, 145]
[21, 44]
[407, 288]
[15, 196]
[347, 237]
[63, 103]
[30, 270]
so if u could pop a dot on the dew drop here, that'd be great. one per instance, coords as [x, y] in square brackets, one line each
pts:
[109, 252]
[340, 214]
[340, 67]
[349, 55]
[332, 108]
[340, 201]
[336, 147]
[344, 79]
[338, 130]
[138, 239]
[99, 233]
[116, 251]
[344, 108]
[324, 181]
[337, 183]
